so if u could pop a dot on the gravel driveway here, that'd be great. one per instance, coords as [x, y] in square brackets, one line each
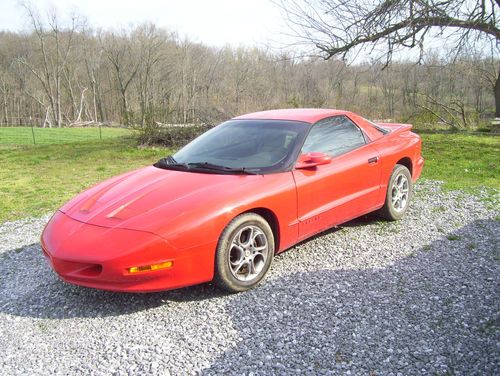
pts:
[419, 296]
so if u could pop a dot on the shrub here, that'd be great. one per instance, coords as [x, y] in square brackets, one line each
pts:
[170, 135]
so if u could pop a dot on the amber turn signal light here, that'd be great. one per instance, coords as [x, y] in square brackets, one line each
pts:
[146, 268]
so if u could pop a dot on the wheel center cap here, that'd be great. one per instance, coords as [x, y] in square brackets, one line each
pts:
[247, 253]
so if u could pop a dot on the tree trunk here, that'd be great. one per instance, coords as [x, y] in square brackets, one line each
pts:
[497, 95]
[58, 103]
[5, 108]
[125, 114]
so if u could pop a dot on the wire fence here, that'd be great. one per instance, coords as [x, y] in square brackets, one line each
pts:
[169, 135]
[34, 135]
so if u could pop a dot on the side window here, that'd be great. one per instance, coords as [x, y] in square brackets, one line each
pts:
[334, 136]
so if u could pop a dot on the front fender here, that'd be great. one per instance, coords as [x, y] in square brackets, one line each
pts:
[204, 223]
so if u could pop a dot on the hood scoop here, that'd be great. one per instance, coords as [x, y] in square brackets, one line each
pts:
[129, 202]
[92, 200]
[123, 211]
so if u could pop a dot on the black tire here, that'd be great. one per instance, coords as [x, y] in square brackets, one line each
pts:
[394, 211]
[227, 256]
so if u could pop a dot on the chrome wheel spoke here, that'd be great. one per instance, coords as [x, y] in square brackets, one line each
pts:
[239, 266]
[401, 182]
[251, 267]
[395, 199]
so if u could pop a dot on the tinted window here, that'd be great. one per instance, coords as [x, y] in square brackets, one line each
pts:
[260, 145]
[334, 136]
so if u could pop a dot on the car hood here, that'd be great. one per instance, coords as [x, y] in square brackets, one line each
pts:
[142, 199]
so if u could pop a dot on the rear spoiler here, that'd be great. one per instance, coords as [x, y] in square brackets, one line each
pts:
[393, 127]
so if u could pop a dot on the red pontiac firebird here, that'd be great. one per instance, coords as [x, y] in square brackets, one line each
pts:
[221, 207]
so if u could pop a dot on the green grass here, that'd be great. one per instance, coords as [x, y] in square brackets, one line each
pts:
[45, 136]
[36, 179]
[462, 161]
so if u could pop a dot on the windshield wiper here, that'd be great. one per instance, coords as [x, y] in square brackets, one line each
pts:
[216, 167]
[170, 163]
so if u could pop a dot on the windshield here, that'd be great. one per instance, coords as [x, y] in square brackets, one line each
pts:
[252, 146]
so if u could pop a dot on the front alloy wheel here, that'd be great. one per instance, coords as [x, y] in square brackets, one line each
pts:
[244, 253]
[248, 253]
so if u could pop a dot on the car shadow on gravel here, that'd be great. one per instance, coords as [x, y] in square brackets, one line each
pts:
[29, 288]
[365, 220]
[433, 312]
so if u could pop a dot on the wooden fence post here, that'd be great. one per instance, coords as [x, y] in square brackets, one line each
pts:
[33, 134]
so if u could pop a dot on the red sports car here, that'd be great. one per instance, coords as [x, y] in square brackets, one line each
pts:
[221, 207]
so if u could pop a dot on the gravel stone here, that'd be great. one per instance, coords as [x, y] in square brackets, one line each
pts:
[418, 296]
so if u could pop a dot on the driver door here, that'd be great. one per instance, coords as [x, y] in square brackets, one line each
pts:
[347, 187]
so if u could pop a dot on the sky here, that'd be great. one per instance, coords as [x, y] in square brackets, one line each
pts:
[213, 22]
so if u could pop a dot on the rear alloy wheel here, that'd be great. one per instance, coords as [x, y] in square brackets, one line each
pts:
[244, 253]
[399, 191]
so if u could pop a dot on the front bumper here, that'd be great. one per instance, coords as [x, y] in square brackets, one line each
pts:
[100, 257]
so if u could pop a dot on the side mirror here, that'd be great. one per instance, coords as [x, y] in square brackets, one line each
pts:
[310, 160]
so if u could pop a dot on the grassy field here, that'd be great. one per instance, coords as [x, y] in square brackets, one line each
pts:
[37, 179]
[46, 136]
[462, 161]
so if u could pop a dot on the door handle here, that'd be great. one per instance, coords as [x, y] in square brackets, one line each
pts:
[373, 160]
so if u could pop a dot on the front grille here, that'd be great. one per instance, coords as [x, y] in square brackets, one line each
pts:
[77, 269]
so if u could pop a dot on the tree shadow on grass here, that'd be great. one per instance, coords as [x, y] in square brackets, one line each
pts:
[434, 312]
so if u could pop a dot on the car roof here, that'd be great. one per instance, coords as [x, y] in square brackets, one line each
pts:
[308, 115]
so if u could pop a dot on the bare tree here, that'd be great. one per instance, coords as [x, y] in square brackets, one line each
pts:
[4, 89]
[93, 61]
[152, 54]
[338, 27]
[66, 73]
[54, 45]
[125, 59]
